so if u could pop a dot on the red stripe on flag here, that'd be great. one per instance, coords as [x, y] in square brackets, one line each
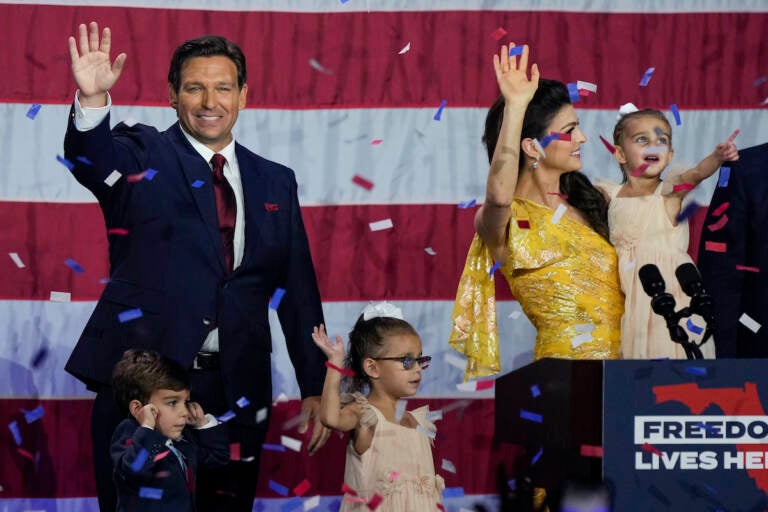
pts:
[61, 446]
[390, 264]
[358, 52]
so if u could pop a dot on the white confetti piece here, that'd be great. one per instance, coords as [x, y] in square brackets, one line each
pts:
[381, 225]
[312, 502]
[628, 266]
[749, 322]
[454, 360]
[291, 443]
[655, 150]
[430, 251]
[587, 86]
[405, 48]
[448, 466]
[261, 415]
[515, 314]
[434, 416]
[319, 67]
[281, 398]
[61, 297]
[580, 339]
[426, 432]
[112, 178]
[400, 410]
[559, 212]
[584, 327]
[539, 148]
[16, 259]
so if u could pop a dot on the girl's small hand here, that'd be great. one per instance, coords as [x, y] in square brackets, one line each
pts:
[513, 76]
[333, 351]
[726, 151]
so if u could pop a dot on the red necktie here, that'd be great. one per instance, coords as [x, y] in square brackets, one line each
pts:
[226, 208]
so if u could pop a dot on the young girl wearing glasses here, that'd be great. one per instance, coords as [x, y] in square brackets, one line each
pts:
[389, 463]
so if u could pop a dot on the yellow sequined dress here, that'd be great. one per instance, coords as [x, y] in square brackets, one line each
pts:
[565, 277]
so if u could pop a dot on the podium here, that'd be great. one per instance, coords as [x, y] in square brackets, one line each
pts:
[691, 435]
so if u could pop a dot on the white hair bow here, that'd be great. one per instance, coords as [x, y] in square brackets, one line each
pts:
[382, 309]
[625, 109]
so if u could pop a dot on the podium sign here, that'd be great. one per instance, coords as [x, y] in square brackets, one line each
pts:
[691, 435]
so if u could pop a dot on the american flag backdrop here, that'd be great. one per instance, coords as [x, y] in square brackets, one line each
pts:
[378, 105]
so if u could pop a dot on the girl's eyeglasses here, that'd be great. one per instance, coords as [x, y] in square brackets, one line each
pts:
[408, 361]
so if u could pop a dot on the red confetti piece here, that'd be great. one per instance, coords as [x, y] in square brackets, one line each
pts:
[640, 170]
[562, 136]
[347, 489]
[680, 187]
[484, 384]
[747, 269]
[562, 196]
[720, 209]
[650, 448]
[234, 451]
[359, 180]
[117, 231]
[375, 502]
[498, 33]
[133, 178]
[271, 207]
[584, 92]
[161, 455]
[302, 488]
[608, 145]
[523, 224]
[25, 453]
[128, 442]
[591, 451]
[441, 507]
[715, 247]
[376, 142]
[720, 224]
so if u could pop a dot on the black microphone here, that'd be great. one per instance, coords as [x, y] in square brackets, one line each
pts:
[701, 302]
[662, 303]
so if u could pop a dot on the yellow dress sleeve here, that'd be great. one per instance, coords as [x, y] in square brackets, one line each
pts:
[474, 331]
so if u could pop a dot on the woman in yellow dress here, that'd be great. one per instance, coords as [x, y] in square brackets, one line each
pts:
[543, 225]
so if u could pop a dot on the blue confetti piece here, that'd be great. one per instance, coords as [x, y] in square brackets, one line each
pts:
[14, 427]
[273, 447]
[129, 314]
[687, 212]
[40, 357]
[440, 110]
[695, 329]
[725, 175]
[279, 489]
[646, 77]
[274, 302]
[467, 204]
[516, 50]
[710, 428]
[537, 456]
[292, 504]
[33, 110]
[494, 268]
[84, 160]
[573, 92]
[334, 505]
[151, 493]
[453, 492]
[226, 416]
[759, 81]
[139, 461]
[699, 371]
[149, 174]
[66, 163]
[243, 402]
[198, 183]
[512, 484]
[34, 415]
[75, 266]
[531, 416]
[344, 1]
[676, 113]
[547, 139]
[535, 391]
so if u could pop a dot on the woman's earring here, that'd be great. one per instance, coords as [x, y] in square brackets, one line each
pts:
[535, 163]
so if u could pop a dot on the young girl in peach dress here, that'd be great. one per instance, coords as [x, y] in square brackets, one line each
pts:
[389, 465]
[644, 228]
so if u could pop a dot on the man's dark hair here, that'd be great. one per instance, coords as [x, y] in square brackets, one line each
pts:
[206, 46]
[142, 372]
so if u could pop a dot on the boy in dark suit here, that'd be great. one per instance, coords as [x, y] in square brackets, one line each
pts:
[156, 452]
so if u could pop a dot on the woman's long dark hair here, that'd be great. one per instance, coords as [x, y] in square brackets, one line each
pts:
[550, 97]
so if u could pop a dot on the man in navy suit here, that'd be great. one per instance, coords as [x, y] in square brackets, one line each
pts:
[202, 232]
[734, 259]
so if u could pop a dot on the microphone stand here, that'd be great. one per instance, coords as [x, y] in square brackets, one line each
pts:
[664, 304]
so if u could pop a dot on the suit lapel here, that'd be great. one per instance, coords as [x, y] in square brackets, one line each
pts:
[195, 170]
[254, 198]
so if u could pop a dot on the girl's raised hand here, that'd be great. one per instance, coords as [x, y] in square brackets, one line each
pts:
[726, 151]
[512, 75]
[333, 351]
